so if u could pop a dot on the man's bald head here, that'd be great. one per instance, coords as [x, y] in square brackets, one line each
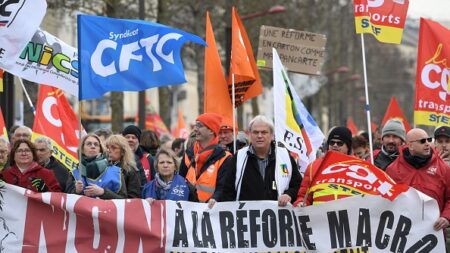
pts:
[419, 143]
[415, 134]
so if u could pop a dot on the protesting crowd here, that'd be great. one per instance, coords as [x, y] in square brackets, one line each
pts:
[206, 169]
[262, 187]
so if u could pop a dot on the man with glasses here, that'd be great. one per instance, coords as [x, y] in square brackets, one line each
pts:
[204, 163]
[339, 140]
[392, 137]
[44, 149]
[253, 174]
[420, 166]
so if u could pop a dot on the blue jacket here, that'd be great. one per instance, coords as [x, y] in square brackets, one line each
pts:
[179, 190]
[109, 179]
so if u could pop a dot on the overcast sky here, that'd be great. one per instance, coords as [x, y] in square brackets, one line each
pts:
[432, 9]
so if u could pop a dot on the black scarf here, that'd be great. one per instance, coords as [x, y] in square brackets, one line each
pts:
[415, 160]
[93, 167]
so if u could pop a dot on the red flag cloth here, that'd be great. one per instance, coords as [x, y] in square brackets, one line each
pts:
[394, 111]
[56, 120]
[180, 130]
[433, 77]
[384, 19]
[351, 125]
[341, 176]
[3, 131]
[242, 65]
[216, 98]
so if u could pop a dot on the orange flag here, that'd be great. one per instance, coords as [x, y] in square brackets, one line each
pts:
[351, 125]
[242, 65]
[394, 111]
[3, 132]
[56, 120]
[180, 130]
[216, 96]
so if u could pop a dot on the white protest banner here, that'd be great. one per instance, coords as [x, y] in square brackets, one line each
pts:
[299, 51]
[58, 222]
[48, 60]
[19, 20]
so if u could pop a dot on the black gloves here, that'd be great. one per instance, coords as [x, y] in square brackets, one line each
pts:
[39, 184]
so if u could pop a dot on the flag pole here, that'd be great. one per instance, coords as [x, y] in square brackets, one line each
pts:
[233, 102]
[369, 127]
[28, 96]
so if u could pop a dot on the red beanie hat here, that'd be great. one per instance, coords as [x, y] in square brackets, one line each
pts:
[211, 121]
[227, 123]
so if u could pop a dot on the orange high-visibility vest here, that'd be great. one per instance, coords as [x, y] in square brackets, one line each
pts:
[205, 183]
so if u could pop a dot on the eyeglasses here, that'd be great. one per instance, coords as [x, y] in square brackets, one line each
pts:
[339, 143]
[423, 140]
[95, 144]
[3, 152]
[199, 125]
[41, 150]
[23, 151]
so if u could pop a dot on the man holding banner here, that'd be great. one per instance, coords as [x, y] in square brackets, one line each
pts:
[262, 171]
[420, 166]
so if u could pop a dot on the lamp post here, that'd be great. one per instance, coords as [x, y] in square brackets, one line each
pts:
[141, 96]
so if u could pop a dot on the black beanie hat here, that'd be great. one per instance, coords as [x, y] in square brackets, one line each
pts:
[343, 134]
[132, 129]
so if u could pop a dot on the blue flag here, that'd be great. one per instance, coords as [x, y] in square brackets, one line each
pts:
[128, 55]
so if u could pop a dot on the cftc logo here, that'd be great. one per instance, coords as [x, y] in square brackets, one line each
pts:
[9, 10]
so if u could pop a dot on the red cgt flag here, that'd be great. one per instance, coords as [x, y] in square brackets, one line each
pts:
[394, 111]
[242, 66]
[56, 120]
[432, 106]
[384, 19]
[341, 176]
[216, 96]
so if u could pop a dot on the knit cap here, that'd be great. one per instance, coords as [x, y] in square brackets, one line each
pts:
[343, 134]
[132, 129]
[394, 127]
[211, 121]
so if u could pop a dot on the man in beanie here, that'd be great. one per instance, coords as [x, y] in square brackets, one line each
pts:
[254, 167]
[226, 136]
[420, 167]
[392, 137]
[339, 140]
[442, 142]
[204, 163]
[144, 161]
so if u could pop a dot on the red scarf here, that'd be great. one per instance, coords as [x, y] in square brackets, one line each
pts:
[201, 154]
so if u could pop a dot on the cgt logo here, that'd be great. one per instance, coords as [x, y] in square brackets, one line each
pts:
[436, 73]
[9, 10]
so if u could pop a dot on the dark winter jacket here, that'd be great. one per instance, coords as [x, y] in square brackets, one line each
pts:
[254, 187]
